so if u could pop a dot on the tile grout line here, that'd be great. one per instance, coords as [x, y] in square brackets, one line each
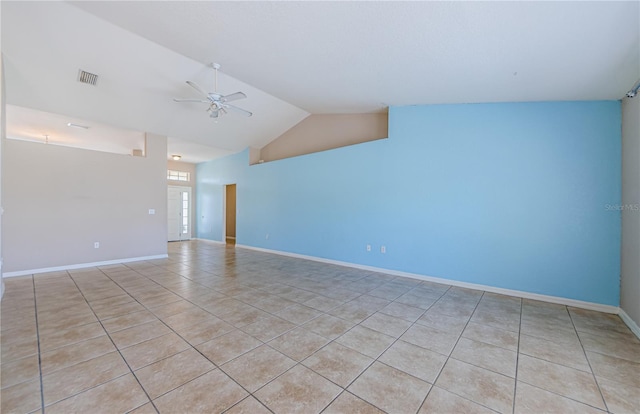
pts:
[385, 350]
[115, 346]
[216, 366]
[35, 305]
[449, 357]
[515, 382]
[584, 351]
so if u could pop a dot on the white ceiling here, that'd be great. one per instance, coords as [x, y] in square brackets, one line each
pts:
[296, 58]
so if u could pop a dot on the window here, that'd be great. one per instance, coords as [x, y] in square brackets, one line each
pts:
[178, 175]
[185, 212]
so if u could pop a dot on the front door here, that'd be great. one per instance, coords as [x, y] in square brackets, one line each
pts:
[179, 213]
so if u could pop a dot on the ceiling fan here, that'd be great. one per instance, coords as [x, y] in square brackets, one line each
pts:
[218, 104]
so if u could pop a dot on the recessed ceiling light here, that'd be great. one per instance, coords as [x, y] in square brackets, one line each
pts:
[176, 157]
[69, 124]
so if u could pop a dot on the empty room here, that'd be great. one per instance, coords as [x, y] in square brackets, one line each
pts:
[320, 207]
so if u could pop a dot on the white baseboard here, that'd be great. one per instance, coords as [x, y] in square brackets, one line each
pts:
[82, 265]
[630, 323]
[517, 293]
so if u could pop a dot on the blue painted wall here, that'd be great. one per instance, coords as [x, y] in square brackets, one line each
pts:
[508, 195]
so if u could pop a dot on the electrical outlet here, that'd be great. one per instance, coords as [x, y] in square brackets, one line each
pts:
[96, 245]
[267, 236]
[383, 249]
[368, 247]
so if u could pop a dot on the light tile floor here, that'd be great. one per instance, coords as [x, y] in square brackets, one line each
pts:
[217, 329]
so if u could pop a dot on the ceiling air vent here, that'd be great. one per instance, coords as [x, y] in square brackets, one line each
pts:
[86, 77]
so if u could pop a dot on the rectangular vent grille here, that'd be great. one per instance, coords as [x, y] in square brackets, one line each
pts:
[86, 77]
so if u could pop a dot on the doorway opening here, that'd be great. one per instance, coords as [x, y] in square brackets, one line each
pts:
[179, 213]
[230, 214]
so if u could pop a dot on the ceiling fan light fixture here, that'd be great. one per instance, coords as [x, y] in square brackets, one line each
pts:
[176, 157]
[218, 103]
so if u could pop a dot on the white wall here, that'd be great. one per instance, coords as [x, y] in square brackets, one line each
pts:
[630, 266]
[59, 200]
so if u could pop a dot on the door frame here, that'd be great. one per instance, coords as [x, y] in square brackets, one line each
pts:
[224, 211]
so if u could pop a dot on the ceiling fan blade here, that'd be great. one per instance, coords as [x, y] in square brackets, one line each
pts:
[233, 97]
[239, 110]
[199, 89]
[190, 100]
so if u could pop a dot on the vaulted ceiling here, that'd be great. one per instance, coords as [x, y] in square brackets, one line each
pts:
[295, 58]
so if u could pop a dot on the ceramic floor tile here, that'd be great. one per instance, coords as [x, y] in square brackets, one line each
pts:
[347, 403]
[268, 327]
[564, 354]
[228, 346]
[338, 363]
[126, 321]
[620, 348]
[443, 322]
[532, 400]
[298, 314]
[620, 398]
[412, 359]
[298, 343]
[120, 395]
[551, 332]
[204, 331]
[430, 338]
[19, 370]
[21, 398]
[616, 369]
[112, 312]
[56, 339]
[139, 333]
[148, 352]
[572, 383]
[390, 389]
[402, 311]
[509, 322]
[386, 324]
[323, 304]
[248, 406]
[75, 353]
[257, 367]
[187, 318]
[18, 349]
[144, 409]
[366, 341]
[80, 377]
[170, 373]
[207, 292]
[166, 310]
[299, 390]
[493, 358]
[479, 385]
[328, 326]
[440, 401]
[492, 336]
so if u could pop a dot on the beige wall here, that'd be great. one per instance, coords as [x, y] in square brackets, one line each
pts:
[60, 200]
[630, 280]
[327, 131]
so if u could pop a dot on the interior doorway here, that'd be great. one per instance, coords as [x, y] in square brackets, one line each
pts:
[179, 213]
[230, 214]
